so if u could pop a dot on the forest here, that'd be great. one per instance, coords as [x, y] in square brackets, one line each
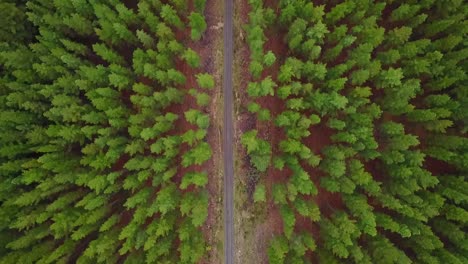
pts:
[360, 129]
[351, 130]
[99, 163]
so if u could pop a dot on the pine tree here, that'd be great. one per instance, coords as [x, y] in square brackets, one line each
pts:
[205, 81]
[198, 25]
[259, 194]
[169, 15]
[192, 58]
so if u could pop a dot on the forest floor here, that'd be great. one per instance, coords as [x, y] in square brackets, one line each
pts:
[211, 52]
[257, 224]
[209, 48]
[245, 219]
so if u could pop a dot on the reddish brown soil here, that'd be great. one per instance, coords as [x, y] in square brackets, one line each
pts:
[326, 201]
[438, 167]
[181, 125]
[246, 121]
[268, 131]
[131, 4]
[206, 48]
[272, 225]
[265, 232]
[435, 166]
[303, 224]
[320, 137]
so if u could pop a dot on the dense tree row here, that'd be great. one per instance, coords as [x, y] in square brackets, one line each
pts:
[93, 165]
[389, 79]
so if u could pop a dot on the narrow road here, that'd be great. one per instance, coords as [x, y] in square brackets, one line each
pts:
[228, 136]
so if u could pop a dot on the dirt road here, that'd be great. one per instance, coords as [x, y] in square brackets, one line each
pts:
[228, 135]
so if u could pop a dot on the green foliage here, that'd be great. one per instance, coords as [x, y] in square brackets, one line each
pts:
[385, 80]
[199, 179]
[145, 38]
[203, 99]
[263, 88]
[264, 114]
[256, 69]
[367, 99]
[259, 194]
[192, 58]
[197, 24]
[169, 15]
[196, 117]
[278, 249]
[197, 155]
[269, 58]
[259, 150]
[340, 234]
[200, 5]
[205, 81]
[107, 54]
[89, 148]
[289, 220]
